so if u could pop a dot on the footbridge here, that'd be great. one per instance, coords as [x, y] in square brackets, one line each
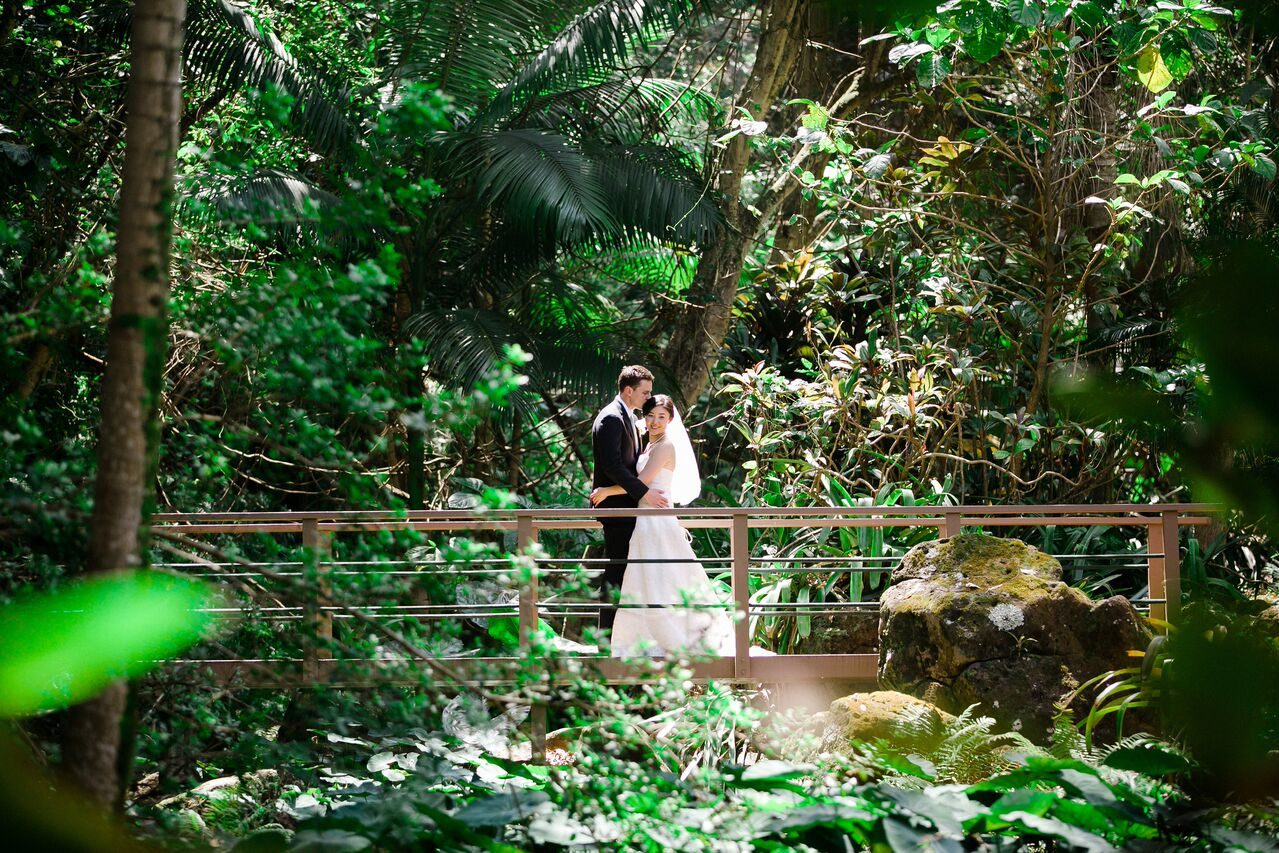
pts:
[315, 581]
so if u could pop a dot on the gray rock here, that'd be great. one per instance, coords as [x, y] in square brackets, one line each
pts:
[976, 619]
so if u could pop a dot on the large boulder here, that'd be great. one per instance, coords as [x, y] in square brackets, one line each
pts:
[867, 717]
[850, 632]
[976, 619]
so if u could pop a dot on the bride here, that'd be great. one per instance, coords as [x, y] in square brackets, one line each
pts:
[692, 616]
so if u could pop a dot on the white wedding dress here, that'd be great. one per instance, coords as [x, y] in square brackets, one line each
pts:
[704, 628]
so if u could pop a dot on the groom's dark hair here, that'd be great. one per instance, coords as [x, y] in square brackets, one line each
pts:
[632, 375]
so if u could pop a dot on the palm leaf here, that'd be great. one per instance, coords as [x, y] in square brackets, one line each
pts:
[625, 111]
[590, 48]
[271, 196]
[226, 48]
[468, 48]
[463, 345]
[539, 183]
[653, 191]
[648, 265]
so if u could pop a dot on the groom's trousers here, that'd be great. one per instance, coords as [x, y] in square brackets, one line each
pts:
[617, 544]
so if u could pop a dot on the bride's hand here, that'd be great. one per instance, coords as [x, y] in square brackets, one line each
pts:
[597, 495]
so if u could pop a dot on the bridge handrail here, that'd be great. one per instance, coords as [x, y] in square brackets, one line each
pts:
[1162, 523]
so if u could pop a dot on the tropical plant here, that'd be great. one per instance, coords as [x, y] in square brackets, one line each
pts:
[556, 149]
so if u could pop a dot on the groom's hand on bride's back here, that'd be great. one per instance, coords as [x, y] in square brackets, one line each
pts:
[656, 499]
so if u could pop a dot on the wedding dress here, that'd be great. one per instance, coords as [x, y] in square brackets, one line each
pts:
[705, 627]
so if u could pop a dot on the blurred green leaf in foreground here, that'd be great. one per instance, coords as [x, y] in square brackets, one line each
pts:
[60, 648]
[1227, 438]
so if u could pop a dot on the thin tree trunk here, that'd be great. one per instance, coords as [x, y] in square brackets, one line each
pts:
[698, 330]
[1100, 112]
[128, 445]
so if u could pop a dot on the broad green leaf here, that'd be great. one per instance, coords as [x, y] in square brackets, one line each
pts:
[61, 648]
[501, 809]
[876, 166]
[984, 44]
[1264, 166]
[818, 814]
[932, 69]
[1025, 12]
[903, 835]
[1151, 71]
[1150, 759]
[1059, 829]
[904, 53]
[559, 828]
[329, 841]
[264, 841]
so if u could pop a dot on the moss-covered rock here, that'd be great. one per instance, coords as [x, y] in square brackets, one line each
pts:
[976, 619]
[867, 717]
[844, 633]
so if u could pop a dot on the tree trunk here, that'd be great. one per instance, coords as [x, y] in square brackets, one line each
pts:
[128, 445]
[827, 72]
[1100, 116]
[698, 331]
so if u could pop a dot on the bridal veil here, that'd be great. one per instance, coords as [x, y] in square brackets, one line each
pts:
[686, 484]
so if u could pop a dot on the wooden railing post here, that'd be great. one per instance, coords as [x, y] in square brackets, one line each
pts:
[1169, 522]
[740, 551]
[525, 539]
[317, 644]
[1155, 568]
[952, 526]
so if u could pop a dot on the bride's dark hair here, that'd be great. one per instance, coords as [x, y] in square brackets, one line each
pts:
[659, 400]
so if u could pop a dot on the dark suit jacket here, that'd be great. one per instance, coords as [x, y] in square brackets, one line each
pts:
[614, 443]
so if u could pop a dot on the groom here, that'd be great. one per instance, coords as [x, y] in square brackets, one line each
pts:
[616, 443]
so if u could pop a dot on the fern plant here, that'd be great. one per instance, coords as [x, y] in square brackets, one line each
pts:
[962, 749]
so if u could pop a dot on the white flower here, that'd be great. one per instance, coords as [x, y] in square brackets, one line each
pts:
[1005, 617]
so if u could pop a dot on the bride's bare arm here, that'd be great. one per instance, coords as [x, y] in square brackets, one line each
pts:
[662, 456]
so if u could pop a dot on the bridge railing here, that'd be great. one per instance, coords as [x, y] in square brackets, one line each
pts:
[1158, 524]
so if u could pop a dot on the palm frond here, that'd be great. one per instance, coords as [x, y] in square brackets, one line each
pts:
[268, 197]
[654, 191]
[568, 358]
[226, 48]
[468, 48]
[1127, 330]
[626, 111]
[649, 265]
[577, 337]
[539, 183]
[462, 345]
[591, 47]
